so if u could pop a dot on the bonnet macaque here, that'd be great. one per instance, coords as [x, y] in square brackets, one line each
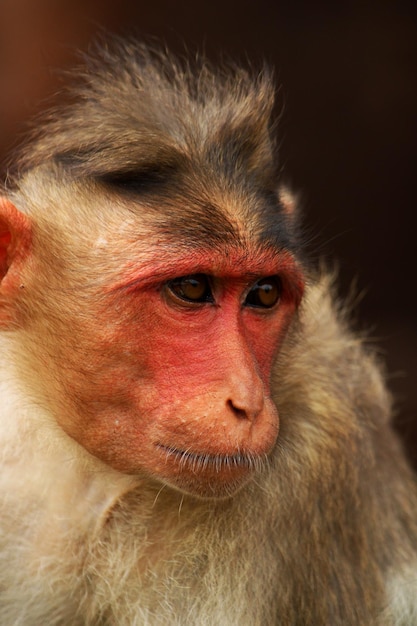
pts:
[190, 433]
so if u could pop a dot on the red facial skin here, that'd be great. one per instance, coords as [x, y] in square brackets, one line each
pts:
[185, 389]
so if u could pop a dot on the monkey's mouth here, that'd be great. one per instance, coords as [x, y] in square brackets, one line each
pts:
[218, 463]
[208, 474]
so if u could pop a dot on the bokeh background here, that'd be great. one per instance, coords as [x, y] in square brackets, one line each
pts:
[348, 127]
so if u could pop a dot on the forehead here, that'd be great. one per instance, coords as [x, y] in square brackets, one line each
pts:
[248, 221]
[216, 234]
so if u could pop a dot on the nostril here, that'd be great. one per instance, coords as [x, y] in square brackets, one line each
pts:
[240, 413]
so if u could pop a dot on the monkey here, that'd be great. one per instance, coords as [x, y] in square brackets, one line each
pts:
[191, 431]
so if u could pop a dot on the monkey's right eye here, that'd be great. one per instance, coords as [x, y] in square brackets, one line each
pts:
[194, 288]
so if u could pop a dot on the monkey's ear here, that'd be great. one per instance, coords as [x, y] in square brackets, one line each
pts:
[288, 201]
[15, 238]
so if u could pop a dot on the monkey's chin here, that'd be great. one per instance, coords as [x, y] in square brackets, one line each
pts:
[208, 476]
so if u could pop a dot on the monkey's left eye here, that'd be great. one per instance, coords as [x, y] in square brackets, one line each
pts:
[265, 293]
[193, 288]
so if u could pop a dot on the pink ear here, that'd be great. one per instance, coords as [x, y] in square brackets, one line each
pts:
[288, 201]
[5, 238]
[15, 238]
[15, 235]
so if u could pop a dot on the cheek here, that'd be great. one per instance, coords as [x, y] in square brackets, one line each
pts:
[176, 352]
[137, 363]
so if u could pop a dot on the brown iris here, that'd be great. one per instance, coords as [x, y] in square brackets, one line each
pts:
[265, 293]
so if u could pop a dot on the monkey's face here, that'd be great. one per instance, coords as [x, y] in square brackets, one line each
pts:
[178, 381]
[156, 353]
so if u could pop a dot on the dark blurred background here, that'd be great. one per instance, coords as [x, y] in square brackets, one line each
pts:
[348, 129]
